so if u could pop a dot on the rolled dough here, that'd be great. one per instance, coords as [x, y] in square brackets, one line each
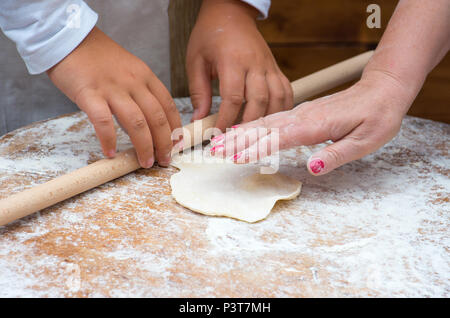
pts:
[216, 187]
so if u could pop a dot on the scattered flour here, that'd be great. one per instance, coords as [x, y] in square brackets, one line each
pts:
[378, 226]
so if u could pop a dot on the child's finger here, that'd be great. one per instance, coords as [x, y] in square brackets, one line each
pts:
[158, 124]
[199, 88]
[256, 95]
[288, 92]
[134, 122]
[164, 98]
[100, 116]
[277, 94]
[232, 84]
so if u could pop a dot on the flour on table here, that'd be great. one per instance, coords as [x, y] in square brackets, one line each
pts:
[218, 187]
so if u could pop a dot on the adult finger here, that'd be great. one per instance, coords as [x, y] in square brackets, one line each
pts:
[292, 128]
[238, 142]
[276, 120]
[349, 148]
[226, 144]
[263, 147]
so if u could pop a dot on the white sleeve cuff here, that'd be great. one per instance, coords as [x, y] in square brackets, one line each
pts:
[63, 42]
[46, 33]
[262, 6]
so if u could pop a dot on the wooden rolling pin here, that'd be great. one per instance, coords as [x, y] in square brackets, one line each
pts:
[66, 186]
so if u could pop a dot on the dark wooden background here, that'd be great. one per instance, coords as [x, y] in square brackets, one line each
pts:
[308, 35]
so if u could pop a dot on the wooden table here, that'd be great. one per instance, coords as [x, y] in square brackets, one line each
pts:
[376, 227]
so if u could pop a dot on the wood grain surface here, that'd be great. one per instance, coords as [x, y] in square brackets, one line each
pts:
[307, 35]
[319, 22]
[375, 227]
[182, 17]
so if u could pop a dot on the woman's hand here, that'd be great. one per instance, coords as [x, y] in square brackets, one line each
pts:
[226, 44]
[103, 79]
[364, 117]
[359, 120]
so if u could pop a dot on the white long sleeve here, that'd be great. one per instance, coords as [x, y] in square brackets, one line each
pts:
[262, 6]
[45, 31]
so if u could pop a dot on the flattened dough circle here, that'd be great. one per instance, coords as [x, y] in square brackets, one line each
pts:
[227, 189]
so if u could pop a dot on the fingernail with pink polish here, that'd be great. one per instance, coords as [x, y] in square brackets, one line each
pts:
[178, 146]
[316, 165]
[216, 148]
[235, 126]
[218, 139]
[237, 156]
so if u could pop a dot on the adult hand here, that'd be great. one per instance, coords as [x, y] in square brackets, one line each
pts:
[226, 44]
[104, 79]
[359, 120]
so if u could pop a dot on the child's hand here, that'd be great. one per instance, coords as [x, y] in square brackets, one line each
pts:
[104, 79]
[359, 120]
[226, 44]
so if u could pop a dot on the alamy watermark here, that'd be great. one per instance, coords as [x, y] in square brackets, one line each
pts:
[74, 16]
[238, 145]
[373, 21]
[73, 276]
